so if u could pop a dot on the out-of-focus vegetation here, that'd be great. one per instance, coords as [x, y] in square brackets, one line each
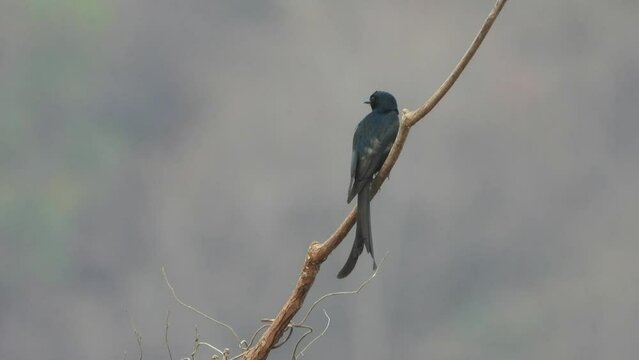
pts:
[213, 138]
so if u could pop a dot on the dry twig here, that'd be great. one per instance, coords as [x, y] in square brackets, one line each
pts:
[138, 338]
[328, 323]
[237, 337]
[352, 292]
[166, 335]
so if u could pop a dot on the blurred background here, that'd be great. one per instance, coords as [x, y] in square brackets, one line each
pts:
[213, 137]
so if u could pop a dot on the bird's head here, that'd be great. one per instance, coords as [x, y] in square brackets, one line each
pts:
[382, 101]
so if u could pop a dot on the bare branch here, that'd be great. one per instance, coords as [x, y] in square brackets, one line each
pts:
[356, 291]
[290, 332]
[166, 335]
[237, 337]
[310, 330]
[198, 343]
[257, 332]
[224, 352]
[317, 253]
[328, 323]
[138, 337]
[413, 117]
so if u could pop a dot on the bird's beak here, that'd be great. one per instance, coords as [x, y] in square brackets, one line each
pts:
[367, 102]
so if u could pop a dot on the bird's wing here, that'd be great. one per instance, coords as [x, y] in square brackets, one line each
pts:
[367, 161]
[371, 142]
[370, 159]
[354, 161]
[375, 143]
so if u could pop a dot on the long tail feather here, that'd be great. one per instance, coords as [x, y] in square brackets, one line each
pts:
[364, 220]
[363, 236]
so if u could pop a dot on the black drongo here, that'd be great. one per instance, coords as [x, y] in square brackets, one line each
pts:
[372, 142]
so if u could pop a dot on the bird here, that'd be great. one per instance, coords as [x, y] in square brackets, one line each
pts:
[372, 141]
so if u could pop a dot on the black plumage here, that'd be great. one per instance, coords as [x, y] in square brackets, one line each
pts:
[372, 141]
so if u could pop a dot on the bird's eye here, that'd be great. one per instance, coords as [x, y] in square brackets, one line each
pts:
[372, 98]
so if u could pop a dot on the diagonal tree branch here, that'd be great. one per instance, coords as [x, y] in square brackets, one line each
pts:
[317, 253]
